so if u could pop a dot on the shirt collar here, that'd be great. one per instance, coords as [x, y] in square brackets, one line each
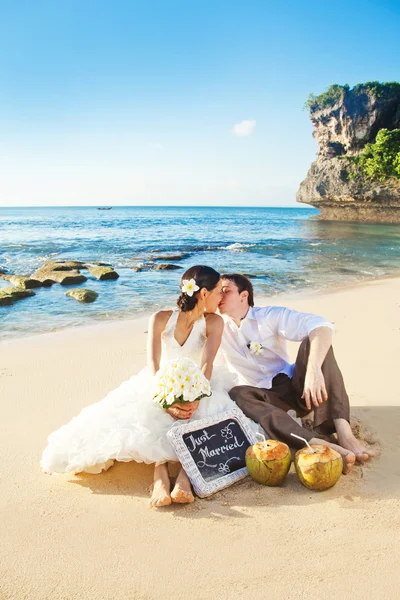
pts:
[250, 314]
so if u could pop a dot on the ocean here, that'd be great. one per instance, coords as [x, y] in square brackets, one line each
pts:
[282, 249]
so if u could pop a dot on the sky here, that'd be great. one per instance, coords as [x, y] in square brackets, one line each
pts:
[175, 102]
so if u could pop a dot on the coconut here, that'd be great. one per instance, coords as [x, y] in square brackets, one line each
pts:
[318, 470]
[268, 462]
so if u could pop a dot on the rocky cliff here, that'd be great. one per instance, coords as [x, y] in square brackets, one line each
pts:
[344, 121]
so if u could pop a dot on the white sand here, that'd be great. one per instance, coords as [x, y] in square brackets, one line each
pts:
[92, 536]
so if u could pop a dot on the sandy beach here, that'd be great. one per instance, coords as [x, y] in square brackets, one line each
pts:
[92, 537]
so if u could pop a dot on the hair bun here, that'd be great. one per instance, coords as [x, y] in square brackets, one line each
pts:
[186, 303]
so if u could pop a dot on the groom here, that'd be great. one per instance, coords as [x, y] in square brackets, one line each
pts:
[254, 348]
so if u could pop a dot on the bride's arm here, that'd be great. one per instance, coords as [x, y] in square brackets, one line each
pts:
[157, 324]
[214, 330]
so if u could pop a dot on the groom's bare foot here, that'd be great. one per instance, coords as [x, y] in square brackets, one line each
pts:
[348, 456]
[350, 442]
[182, 492]
[161, 491]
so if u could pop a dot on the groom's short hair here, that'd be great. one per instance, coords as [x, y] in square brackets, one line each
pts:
[243, 283]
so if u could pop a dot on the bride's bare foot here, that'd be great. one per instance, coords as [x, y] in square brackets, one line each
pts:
[348, 456]
[161, 491]
[347, 440]
[160, 496]
[182, 492]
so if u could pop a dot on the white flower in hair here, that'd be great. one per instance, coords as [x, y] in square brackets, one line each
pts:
[189, 287]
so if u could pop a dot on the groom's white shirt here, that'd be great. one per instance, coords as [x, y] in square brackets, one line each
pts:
[272, 326]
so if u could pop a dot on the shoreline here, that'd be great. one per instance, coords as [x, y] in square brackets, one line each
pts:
[143, 317]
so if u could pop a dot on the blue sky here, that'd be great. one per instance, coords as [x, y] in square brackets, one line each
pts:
[135, 102]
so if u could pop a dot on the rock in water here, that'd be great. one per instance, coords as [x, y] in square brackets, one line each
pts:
[82, 295]
[9, 295]
[318, 470]
[102, 273]
[64, 265]
[268, 462]
[6, 299]
[166, 267]
[64, 277]
[169, 257]
[25, 283]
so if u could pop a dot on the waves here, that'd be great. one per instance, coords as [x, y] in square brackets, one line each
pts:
[238, 247]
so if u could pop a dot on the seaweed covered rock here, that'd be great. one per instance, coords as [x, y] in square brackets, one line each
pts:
[82, 295]
[9, 295]
[168, 257]
[25, 283]
[64, 277]
[64, 265]
[102, 273]
[166, 267]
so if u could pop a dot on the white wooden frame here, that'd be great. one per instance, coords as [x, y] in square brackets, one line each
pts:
[202, 487]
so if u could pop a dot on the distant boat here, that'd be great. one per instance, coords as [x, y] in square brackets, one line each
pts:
[104, 208]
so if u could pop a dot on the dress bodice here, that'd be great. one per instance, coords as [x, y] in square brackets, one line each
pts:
[193, 346]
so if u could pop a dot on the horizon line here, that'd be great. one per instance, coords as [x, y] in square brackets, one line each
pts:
[157, 206]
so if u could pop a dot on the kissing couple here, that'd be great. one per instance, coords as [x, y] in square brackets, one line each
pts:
[215, 316]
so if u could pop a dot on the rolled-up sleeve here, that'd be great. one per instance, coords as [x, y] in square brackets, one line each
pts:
[293, 325]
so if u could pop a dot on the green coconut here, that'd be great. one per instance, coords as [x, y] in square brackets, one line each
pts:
[318, 470]
[268, 462]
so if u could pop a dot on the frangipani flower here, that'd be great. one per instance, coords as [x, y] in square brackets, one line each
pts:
[255, 348]
[189, 287]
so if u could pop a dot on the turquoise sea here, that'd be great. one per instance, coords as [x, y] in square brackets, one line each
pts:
[283, 249]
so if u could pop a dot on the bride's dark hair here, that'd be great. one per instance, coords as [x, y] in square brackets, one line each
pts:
[205, 277]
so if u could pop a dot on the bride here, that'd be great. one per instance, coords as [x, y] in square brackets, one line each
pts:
[127, 424]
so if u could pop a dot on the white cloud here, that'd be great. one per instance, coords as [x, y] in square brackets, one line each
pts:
[244, 128]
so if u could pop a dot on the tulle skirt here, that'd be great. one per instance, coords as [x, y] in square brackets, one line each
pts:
[126, 425]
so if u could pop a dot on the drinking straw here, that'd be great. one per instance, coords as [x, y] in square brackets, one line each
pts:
[300, 438]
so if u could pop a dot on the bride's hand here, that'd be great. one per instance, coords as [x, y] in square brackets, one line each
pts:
[194, 405]
[183, 410]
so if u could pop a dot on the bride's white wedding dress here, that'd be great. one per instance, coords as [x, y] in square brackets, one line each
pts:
[127, 425]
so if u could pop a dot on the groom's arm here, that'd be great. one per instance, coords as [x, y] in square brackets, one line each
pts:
[314, 384]
[296, 326]
[292, 325]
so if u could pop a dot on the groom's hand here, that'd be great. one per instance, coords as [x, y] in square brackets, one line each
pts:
[314, 387]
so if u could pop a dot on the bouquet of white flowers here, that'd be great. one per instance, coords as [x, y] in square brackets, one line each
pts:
[180, 381]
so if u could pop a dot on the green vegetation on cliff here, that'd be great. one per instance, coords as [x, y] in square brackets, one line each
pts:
[335, 93]
[379, 161]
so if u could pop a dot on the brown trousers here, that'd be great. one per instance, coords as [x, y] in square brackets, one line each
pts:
[269, 407]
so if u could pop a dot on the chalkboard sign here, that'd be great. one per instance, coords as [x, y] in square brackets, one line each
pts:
[212, 450]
